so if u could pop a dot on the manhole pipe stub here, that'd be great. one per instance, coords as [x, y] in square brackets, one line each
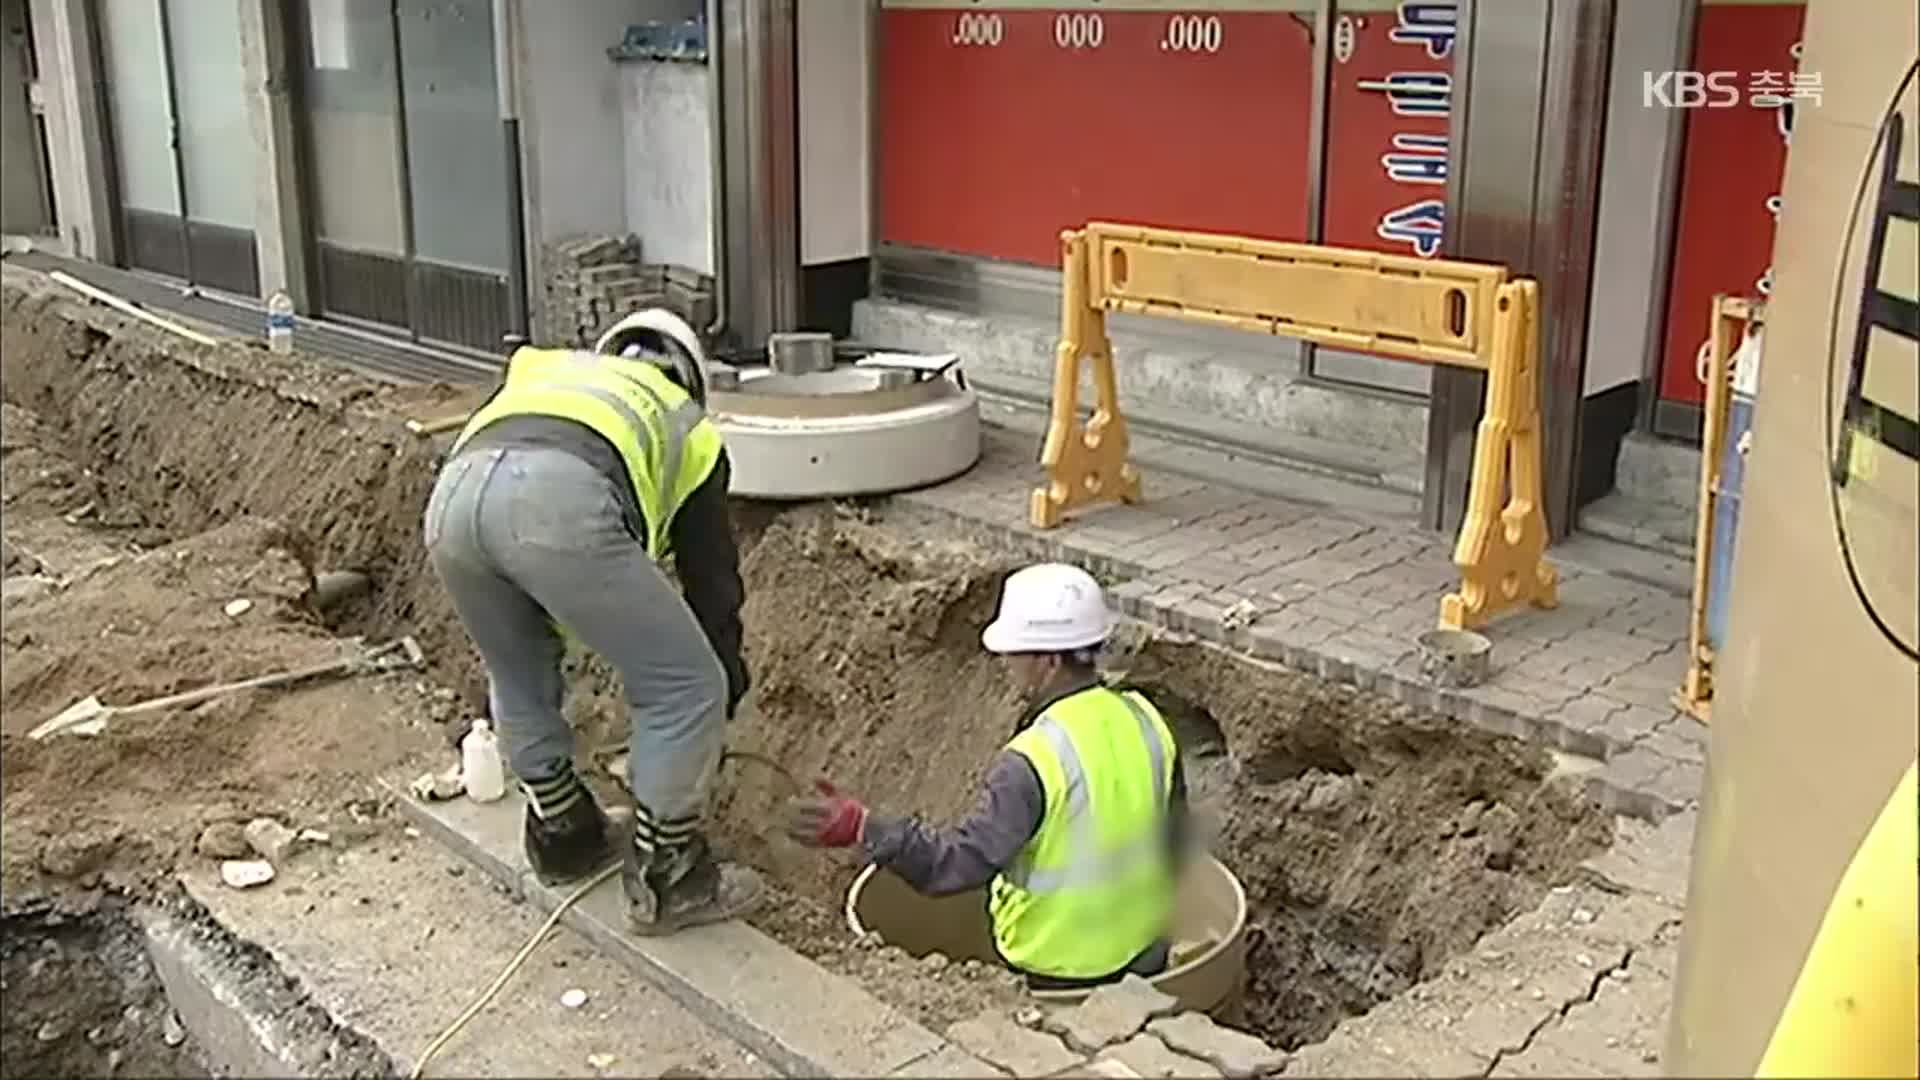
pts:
[1455, 658]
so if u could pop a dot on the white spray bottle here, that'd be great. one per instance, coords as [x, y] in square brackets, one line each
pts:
[481, 770]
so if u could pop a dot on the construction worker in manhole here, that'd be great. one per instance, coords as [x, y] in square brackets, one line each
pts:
[1079, 830]
[556, 506]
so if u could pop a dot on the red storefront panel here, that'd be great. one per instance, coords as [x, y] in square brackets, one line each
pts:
[1387, 126]
[1002, 125]
[1732, 164]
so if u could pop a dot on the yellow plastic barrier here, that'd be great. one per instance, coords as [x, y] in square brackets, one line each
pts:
[1732, 318]
[1431, 311]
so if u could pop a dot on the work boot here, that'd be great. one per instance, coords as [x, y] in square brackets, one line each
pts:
[674, 888]
[576, 842]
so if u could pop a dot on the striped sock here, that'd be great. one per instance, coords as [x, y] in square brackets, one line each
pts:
[554, 795]
[651, 834]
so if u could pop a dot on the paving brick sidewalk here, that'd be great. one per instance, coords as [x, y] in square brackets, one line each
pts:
[1345, 595]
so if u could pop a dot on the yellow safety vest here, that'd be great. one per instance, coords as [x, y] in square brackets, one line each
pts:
[664, 437]
[1093, 888]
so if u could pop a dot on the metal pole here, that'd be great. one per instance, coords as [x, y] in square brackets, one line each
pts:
[504, 72]
[717, 180]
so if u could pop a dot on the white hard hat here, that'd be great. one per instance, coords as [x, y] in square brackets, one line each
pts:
[667, 339]
[1051, 607]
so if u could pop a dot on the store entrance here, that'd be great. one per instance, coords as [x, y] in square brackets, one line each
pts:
[405, 167]
[181, 141]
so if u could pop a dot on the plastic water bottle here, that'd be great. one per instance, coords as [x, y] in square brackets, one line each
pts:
[481, 770]
[280, 322]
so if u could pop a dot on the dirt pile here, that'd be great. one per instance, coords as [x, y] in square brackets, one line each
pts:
[177, 439]
[83, 1000]
[130, 446]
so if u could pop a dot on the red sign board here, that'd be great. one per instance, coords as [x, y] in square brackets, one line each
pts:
[1734, 159]
[999, 127]
[1387, 112]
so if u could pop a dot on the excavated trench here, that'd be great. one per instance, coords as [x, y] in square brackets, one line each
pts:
[1374, 842]
[83, 999]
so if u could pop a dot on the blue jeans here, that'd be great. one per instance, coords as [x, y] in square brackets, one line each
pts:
[527, 537]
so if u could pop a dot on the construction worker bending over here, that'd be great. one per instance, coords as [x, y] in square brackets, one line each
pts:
[1081, 824]
[560, 498]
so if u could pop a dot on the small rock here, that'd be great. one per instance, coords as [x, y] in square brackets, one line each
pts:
[1649, 1057]
[1145, 1056]
[1234, 1053]
[1329, 794]
[438, 787]
[77, 854]
[19, 589]
[172, 1031]
[600, 1062]
[1538, 994]
[1111, 1014]
[51, 1031]
[1516, 984]
[972, 969]
[1029, 1016]
[223, 840]
[97, 1034]
[1499, 853]
[237, 608]
[269, 839]
[1613, 1041]
[871, 940]
[1623, 974]
[574, 998]
[245, 873]
[1583, 960]
[934, 962]
[1581, 916]
[314, 836]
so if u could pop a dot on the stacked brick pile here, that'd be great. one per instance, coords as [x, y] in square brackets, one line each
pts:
[591, 281]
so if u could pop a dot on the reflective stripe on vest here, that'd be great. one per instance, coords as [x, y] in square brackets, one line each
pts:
[654, 448]
[1091, 866]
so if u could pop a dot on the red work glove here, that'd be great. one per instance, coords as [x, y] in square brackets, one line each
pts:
[826, 819]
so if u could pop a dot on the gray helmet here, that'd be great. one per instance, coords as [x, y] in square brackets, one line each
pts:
[665, 340]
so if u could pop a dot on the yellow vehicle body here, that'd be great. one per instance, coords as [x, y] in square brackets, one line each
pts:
[1800, 946]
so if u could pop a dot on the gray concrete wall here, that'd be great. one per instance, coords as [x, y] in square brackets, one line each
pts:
[278, 226]
[667, 152]
[571, 108]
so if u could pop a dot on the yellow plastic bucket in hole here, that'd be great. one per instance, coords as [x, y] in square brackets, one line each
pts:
[1206, 973]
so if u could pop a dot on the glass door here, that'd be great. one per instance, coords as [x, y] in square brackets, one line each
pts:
[406, 168]
[182, 145]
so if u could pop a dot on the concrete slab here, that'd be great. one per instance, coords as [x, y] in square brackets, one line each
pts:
[800, 1018]
[396, 937]
[995, 1038]
[245, 1017]
[1146, 1055]
[948, 1062]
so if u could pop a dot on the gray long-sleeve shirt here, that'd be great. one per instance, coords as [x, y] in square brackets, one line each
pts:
[941, 862]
